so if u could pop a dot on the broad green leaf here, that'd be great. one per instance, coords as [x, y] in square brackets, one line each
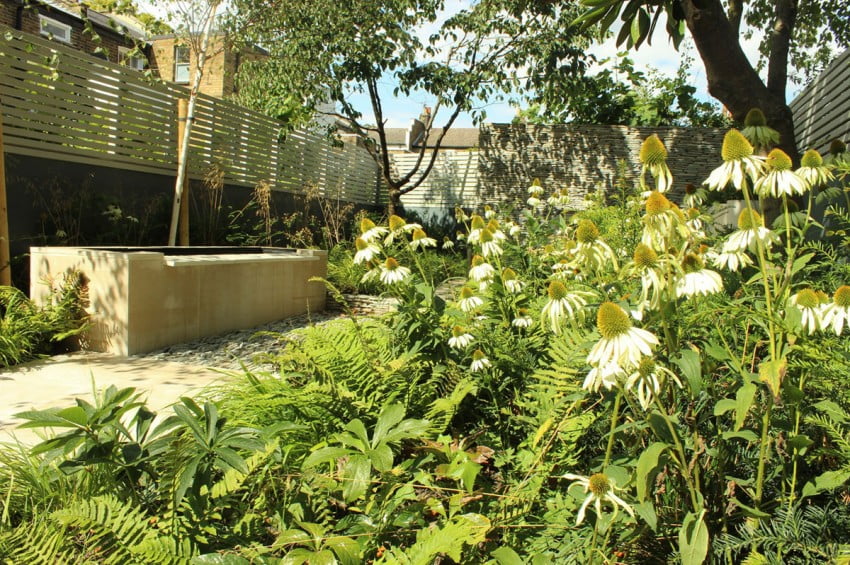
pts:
[771, 373]
[382, 458]
[358, 434]
[693, 539]
[724, 405]
[826, 481]
[325, 455]
[292, 537]
[743, 401]
[748, 435]
[391, 415]
[689, 362]
[800, 262]
[356, 476]
[506, 556]
[346, 549]
[646, 510]
[834, 411]
[219, 559]
[650, 460]
[74, 415]
[749, 511]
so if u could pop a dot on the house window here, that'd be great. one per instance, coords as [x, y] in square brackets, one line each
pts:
[53, 29]
[181, 63]
[133, 61]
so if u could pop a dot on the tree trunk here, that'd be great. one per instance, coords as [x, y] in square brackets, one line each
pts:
[394, 205]
[731, 78]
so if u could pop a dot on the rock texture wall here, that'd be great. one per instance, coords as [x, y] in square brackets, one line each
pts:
[584, 158]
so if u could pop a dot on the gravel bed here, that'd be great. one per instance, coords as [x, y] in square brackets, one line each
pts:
[247, 347]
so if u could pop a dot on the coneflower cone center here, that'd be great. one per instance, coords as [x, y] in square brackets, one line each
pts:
[811, 159]
[466, 292]
[837, 146]
[587, 232]
[477, 355]
[391, 264]
[366, 224]
[396, 222]
[645, 256]
[612, 320]
[690, 188]
[557, 290]
[477, 222]
[477, 261]
[842, 296]
[508, 274]
[657, 203]
[360, 244]
[486, 235]
[755, 117]
[599, 484]
[457, 331]
[735, 146]
[748, 222]
[652, 151]
[418, 234]
[778, 160]
[646, 367]
[808, 298]
[692, 263]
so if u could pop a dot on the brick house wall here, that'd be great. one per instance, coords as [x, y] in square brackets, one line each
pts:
[26, 19]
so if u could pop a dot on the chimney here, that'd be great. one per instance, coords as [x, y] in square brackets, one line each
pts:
[425, 116]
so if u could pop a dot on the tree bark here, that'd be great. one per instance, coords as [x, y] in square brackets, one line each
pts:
[732, 78]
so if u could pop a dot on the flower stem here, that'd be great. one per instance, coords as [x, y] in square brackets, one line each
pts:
[683, 462]
[614, 416]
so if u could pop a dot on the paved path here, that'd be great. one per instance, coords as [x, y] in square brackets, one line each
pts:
[56, 381]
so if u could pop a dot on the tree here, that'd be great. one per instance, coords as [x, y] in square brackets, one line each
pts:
[326, 50]
[794, 34]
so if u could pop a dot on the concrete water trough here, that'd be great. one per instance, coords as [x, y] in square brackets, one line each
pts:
[144, 298]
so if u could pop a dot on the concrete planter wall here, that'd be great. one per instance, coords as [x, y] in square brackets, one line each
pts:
[143, 299]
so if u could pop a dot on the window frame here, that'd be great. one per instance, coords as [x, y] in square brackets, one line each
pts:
[178, 64]
[44, 21]
[132, 61]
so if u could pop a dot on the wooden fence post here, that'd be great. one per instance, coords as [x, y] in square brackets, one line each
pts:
[183, 234]
[5, 256]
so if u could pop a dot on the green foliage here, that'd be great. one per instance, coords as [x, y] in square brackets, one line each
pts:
[27, 330]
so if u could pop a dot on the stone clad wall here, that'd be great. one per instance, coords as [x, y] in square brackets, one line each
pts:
[584, 158]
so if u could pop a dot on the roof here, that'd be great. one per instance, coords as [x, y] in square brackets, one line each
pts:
[456, 138]
[395, 136]
[123, 25]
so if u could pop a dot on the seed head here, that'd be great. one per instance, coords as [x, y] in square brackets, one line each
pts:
[611, 320]
[690, 188]
[778, 160]
[837, 146]
[808, 298]
[812, 159]
[657, 203]
[599, 484]
[692, 263]
[745, 222]
[587, 232]
[644, 256]
[557, 290]
[735, 146]
[842, 296]
[652, 151]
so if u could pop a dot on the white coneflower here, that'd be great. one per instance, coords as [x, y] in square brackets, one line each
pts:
[662, 220]
[460, 338]
[496, 230]
[780, 179]
[750, 231]
[653, 157]
[648, 265]
[392, 272]
[479, 361]
[606, 376]
[533, 202]
[599, 489]
[590, 250]
[460, 214]
[514, 229]
[730, 260]
[510, 280]
[648, 380]
[489, 245]
[694, 196]
[448, 243]
[535, 189]
[419, 240]
[468, 301]
[397, 226]
[481, 270]
[697, 279]
[562, 266]
[365, 251]
[522, 319]
[476, 225]
[837, 314]
[369, 231]
[758, 132]
[738, 163]
[813, 171]
[621, 343]
[808, 303]
[489, 212]
[562, 304]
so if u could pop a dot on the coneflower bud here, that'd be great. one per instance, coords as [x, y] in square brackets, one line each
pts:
[735, 146]
[587, 232]
[652, 151]
[612, 321]
[837, 146]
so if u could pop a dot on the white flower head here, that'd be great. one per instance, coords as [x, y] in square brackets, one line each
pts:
[837, 314]
[511, 282]
[460, 338]
[522, 319]
[489, 246]
[750, 232]
[476, 225]
[694, 196]
[811, 309]
[739, 163]
[562, 304]
[780, 179]
[730, 260]
[481, 270]
[663, 221]
[606, 376]
[479, 361]
[419, 240]
[621, 343]
[369, 231]
[393, 273]
[813, 171]
[366, 251]
[448, 243]
[489, 212]
[590, 250]
[599, 489]
[533, 201]
[535, 189]
[697, 279]
[653, 158]
[648, 380]
[398, 226]
[468, 301]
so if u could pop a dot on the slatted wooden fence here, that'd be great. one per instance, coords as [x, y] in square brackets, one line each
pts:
[822, 110]
[61, 104]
